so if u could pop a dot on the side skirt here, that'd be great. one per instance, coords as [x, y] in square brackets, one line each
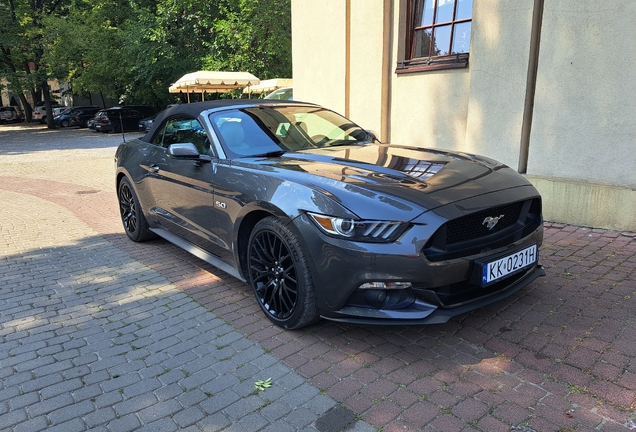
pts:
[198, 252]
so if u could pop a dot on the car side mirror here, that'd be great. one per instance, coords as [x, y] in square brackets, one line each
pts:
[187, 151]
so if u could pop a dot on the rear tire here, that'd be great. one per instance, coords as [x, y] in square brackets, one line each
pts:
[280, 275]
[132, 216]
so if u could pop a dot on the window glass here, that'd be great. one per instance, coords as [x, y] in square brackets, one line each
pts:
[461, 38]
[258, 131]
[181, 130]
[441, 28]
[445, 10]
[426, 11]
[441, 40]
[422, 43]
[464, 9]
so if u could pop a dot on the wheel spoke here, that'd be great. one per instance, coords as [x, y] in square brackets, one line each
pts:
[273, 274]
[127, 208]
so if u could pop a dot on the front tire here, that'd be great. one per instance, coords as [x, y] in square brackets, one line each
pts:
[280, 275]
[132, 216]
[64, 123]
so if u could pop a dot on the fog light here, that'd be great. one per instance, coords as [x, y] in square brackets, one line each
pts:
[381, 296]
[386, 285]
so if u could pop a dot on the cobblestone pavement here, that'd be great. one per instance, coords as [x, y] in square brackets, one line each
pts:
[100, 333]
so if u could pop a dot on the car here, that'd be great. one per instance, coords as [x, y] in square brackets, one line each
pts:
[285, 93]
[144, 109]
[61, 116]
[10, 114]
[74, 116]
[117, 119]
[59, 110]
[146, 122]
[323, 220]
[81, 115]
[39, 112]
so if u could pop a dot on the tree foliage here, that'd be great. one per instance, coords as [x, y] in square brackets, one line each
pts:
[132, 50]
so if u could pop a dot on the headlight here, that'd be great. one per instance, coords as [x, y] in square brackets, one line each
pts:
[360, 230]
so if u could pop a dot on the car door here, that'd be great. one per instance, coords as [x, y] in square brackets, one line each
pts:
[183, 189]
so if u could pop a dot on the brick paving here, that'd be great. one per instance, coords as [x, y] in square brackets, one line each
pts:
[100, 333]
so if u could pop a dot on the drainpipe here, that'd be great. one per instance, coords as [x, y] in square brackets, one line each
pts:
[385, 127]
[531, 85]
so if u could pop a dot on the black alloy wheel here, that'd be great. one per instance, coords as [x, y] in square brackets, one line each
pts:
[132, 217]
[64, 123]
[280, 275]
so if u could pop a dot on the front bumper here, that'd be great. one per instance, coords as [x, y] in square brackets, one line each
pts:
[444, 286]
[420, 312]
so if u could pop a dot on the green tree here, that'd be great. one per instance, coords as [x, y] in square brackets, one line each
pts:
[132, 50]
[23, 43]
[253, 36]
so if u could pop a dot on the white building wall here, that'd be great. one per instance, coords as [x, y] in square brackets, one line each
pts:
[319, 52]
[498, 68]
[584, 125]
[583, 138]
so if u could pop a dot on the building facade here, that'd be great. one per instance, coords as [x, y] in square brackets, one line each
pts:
[545, 86]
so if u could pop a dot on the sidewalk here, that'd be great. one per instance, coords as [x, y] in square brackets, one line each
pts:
[100, 333]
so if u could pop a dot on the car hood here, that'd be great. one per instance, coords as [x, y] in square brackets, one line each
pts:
[404, 178]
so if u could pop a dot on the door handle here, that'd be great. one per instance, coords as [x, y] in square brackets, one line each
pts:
[154, 168]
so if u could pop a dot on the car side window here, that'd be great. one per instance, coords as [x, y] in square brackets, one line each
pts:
[179, 130]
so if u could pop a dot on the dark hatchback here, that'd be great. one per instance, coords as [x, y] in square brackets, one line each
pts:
[82, 116]
[65, 118]
[324, 221]
[117, 119]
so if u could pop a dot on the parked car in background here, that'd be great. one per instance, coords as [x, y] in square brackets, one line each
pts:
[63, 119]
[39, 112]
[322, 220]
[11, 114]
[118, 119]
[77, 116]
[285, 93]
[146, 123]
[83, 116]
[60, 116]
[57, 111]
[144, 109]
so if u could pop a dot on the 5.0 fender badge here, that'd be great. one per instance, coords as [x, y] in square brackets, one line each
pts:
[490, 221]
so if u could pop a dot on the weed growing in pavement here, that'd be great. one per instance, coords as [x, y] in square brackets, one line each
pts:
[261, 385]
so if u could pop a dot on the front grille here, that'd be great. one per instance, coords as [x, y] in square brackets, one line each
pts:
[474, 225]
[469, 234]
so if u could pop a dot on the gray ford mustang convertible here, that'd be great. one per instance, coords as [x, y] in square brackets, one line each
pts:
[322, 220]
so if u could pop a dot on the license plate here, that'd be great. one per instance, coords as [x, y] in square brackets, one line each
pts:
[507, 265]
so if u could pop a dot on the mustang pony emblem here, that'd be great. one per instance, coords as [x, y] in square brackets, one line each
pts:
[490, 221]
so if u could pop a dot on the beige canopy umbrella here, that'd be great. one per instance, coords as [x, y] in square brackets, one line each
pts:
[269, 85]
[212, 81]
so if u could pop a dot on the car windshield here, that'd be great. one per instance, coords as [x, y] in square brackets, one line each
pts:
[271, 130]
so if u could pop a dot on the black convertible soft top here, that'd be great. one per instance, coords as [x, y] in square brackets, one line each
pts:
[194, 109]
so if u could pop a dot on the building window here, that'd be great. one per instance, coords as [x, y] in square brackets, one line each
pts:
[438, 35]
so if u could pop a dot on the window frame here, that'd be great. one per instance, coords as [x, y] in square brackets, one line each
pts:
[412, 64]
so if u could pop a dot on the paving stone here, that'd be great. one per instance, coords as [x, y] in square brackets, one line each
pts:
[32, 425]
